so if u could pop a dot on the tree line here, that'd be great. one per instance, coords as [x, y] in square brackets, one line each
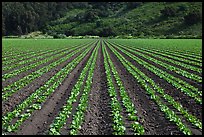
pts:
[20, 18]
[24, 17]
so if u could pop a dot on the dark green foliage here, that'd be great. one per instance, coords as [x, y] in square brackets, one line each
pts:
[193, 17]
[30, 16]
[125, 19]
[19, 31]
[107, 31]
[89, 16]
[132, 5]
[183, 8]
[168, 11]
[59, 36]
[3, 26]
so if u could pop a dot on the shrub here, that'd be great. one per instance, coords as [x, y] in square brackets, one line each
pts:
[59, 36]
[169, 11]
[193, 17]
[132, 5]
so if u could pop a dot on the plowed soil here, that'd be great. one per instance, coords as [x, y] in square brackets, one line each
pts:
[98, 116]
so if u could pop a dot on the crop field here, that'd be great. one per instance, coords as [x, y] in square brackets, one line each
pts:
[102, 87]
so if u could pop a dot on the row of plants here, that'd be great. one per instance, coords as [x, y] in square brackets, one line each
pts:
[78, 117]
[145, 82]
[36, 53]
[176, 82]
[34, 65]
[25, 47]
[179, 57]
[116, 109]
[13, 51]
[17, 85]
[127, 103]
[15, 60]
[194, 60]
[167, 66]
[187, 55]
[187, 49]
[16, 54]
[36, 100]
[7, 53]
[66, 111]
[35, 57]
[174, 103]
[184, 65]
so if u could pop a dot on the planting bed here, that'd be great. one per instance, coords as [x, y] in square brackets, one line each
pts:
[101, 87]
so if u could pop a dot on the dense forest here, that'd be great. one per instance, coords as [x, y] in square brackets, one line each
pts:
[142, 19]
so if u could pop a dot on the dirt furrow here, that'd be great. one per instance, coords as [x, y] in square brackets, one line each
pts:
[38, 123]
[98, 119]
[25, 73]
[175, 65]
[32, 62]
[66, 128]
[179, 96]
[127, 123]
[191, 82]
[179, 57]
[23, 93]
[149, 114]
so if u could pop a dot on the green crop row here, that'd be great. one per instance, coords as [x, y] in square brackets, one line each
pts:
[168, 67]
[171, 101]
[180, 60]
[17, 54]
[78, 117]
[36, 99]
[39, 57]
[190, 56]
[36, 53]
[178, 56]
[118, 123]
[31, 66]
[190, 49]
[6, 65]
[14, 46]
[176, 82]
[139, 76]
[154, 54]
[12, 88]
[34, 65]
[127, 103]
[63, 115]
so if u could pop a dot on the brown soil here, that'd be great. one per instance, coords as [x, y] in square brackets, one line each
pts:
[98, 119]
[190, 81]
[66, 128]
[149, 114]
[26, 64]
[25, 73]
[186, 101]
[40, 120]
[23, 93]
[183, 68]
[38, 54]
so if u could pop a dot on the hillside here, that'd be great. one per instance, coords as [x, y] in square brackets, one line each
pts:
[139, 19]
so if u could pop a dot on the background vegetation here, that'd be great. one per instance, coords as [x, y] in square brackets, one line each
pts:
[112, 19]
